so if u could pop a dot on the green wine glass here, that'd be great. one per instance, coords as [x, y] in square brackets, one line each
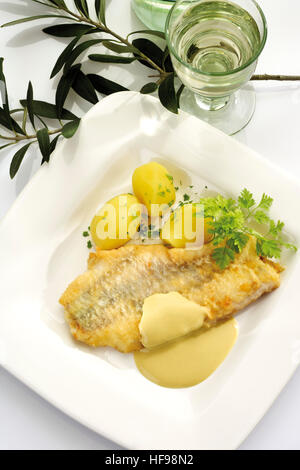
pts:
[215, 46]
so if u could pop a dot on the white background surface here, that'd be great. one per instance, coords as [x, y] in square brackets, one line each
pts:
[27, 421]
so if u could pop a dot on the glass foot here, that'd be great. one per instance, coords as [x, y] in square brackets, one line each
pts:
[230, 117]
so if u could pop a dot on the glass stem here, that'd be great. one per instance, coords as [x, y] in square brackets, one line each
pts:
[211, 104]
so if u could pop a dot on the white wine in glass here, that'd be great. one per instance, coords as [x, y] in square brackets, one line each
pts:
[214, 47]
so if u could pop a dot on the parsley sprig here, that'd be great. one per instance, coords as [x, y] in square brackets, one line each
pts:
[232, 225]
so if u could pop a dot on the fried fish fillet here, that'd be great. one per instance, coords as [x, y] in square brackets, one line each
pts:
[104, 305]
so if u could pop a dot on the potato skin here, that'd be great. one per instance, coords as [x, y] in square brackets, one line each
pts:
[109, 216]
[185, 216]
[152, 184]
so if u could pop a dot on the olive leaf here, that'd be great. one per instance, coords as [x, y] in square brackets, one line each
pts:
[100, 6]
[10, 124]
[5, 114]
[59, 3]
[151, 32]
[17, 160]
[70, 128]
[48, 110]
[167, 63]
[54, 5]
[178, 94]
[64, 57]
[84, 88]
[4, 95]
[32, 18]
[4, 121]
[30, 109]
[6, 145]
[150, 49]
[149, 88]
[54, 143]
[67, 30]
[79, 50]
[82, 7]
[111, 59]
[44, 144]
[118, 47]
[64, 87]
[29, 102]
[167, 94]
[105, 86]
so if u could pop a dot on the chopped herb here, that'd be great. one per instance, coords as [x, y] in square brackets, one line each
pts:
[85, 234]
[171, 203]
[89, 228]
[162, 194]
[89, 244]
[191, 186]
[170, 177]
[155, 234]
[168, 191]
[176, 188]
[186, 197]
[143, 229]
[205, 187]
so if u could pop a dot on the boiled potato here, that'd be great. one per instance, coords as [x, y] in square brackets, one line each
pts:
[152, 184]
[116, 222]
[185, 225]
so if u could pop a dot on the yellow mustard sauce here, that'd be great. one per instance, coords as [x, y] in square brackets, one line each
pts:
[187, 360]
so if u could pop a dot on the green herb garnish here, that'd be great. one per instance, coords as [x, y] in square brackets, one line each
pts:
[85, 234]
[231, 227]
[89, 244]
[186, 197]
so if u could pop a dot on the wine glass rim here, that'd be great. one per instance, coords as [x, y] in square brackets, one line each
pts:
[220, 74]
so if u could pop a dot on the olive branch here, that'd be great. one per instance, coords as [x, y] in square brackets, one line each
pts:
[82, 22]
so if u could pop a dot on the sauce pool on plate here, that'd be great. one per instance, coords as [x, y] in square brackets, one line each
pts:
[188, 360]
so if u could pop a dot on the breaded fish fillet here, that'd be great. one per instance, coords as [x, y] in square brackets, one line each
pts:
[104, 305]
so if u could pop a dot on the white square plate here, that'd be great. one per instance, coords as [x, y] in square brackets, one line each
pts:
[42, 250]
